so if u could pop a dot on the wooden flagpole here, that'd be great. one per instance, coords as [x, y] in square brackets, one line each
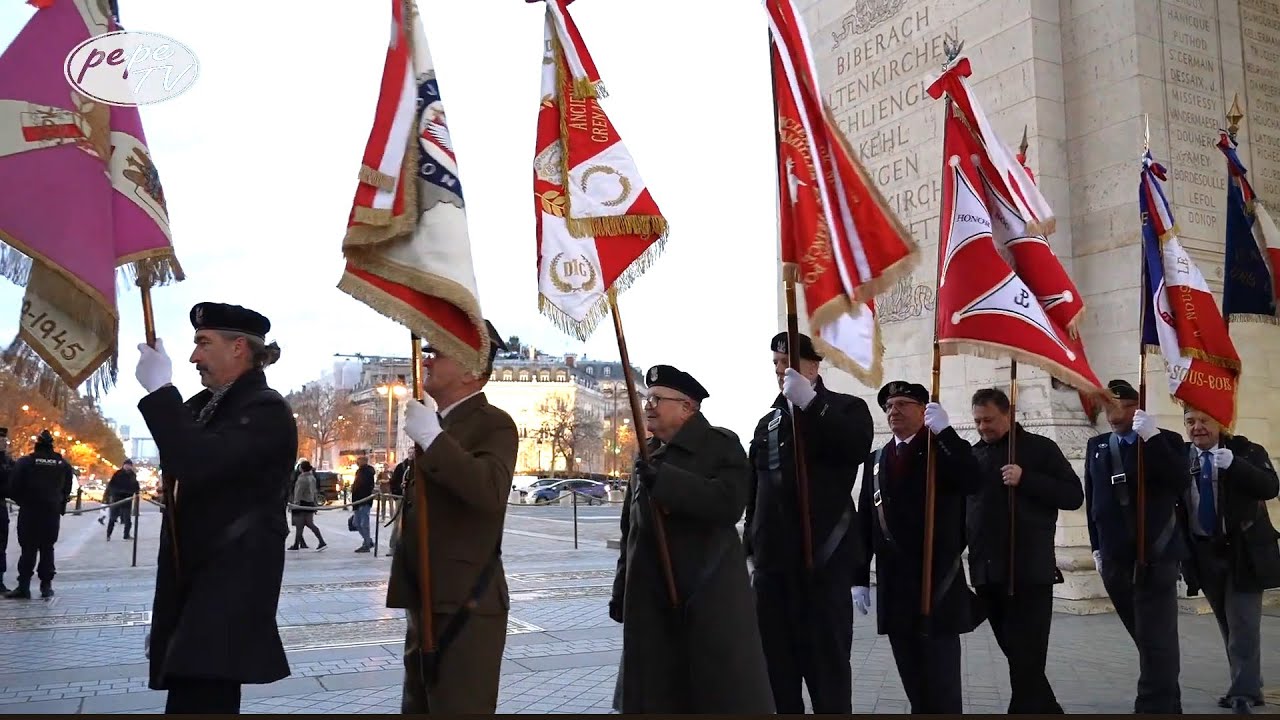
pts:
[426, 628]
[637, 415]
[791, 278]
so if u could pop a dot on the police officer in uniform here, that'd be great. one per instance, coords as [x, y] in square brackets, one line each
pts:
[891, 510]
[227, 456]
[41, 485]
[1018, 601]
[1145, 598]
[6, 465]
[1234, 556]
[806, 616]
[704, 655]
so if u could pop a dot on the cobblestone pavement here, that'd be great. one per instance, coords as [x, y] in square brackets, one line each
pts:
[81, 652]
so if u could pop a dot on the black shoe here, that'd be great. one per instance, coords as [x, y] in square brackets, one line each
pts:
[321, 546]
[1241, 706]
[1224, 702]
[108, 537]
[126, 536]
[46, 590]
[293, 547]
[22, 592]
[101, 521]
[3, 588]
[363, 549]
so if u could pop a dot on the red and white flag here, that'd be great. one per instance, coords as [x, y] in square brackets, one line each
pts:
[407, 249]
[984, 307]
[598, 227]
[837, 234]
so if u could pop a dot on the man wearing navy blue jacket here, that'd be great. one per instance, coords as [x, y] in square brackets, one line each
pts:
[1145, 597]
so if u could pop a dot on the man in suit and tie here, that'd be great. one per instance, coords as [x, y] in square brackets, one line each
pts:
[466, 458]
[1234, 556]
[1145, 597]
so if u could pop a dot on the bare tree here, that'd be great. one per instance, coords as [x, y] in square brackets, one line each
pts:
[572, 431]
[325, 415]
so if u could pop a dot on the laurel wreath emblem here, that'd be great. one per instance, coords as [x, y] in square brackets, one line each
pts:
[606, 170]
[565, 286]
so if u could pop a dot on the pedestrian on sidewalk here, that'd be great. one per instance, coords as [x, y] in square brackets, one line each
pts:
[6, 466]
[227, 453]
[41, 485]
[123, 484]
[306, 494]
[361, 488]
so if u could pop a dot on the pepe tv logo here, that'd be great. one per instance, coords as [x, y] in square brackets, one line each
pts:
[128, 68]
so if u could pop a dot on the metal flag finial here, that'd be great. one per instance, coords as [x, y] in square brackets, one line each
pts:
[1234, 116]
[952, 48]
[1146, 133]
[1022, 148]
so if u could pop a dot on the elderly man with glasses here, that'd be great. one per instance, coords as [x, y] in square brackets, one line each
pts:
[704, 654]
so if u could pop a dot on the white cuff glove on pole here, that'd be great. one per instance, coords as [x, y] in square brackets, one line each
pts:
[420, 423]
[935, 418]
[155, 369]
[798, 389]
[1222, 457]
[862, 599]
[1145, 425]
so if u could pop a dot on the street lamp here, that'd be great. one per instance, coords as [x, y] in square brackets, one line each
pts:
[391, 391]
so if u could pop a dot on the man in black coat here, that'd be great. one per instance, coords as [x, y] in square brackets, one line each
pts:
[6, 465]
[806, 615]
[891, 510]
[41, 485]
[1039, 482]
[362, 487]
[1145, 597]
[226, 454]
[1234, 556]
[123, 484]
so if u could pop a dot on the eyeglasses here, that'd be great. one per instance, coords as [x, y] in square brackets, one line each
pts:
[899, 404]
[653, 400]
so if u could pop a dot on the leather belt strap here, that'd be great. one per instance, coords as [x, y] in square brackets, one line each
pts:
[878, 499]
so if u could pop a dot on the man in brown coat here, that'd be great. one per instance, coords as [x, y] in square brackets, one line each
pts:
[466, 459]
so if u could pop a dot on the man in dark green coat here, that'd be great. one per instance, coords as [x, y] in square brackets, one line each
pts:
[704, 654]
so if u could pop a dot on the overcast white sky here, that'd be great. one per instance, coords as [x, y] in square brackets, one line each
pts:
[259, 162]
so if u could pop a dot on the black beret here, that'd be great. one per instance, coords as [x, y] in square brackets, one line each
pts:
[1122, 390]
[807, 352]
[217, 316]
[902, 388]
[679, 380]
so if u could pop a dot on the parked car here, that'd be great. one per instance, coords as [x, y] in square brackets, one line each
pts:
[590, 491]
[535, 485]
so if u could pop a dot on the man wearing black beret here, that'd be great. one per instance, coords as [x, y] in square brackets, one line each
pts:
[227, 455]
[1145, 598]
[806, 616]
[703, 656]
[891, 510]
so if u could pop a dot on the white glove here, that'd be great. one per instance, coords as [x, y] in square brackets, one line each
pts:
[935, 418]
[798, 389]
[1145, 425]
[1097, 561]
[420, 423]
[155, 369]
[1222, 457]
[862, 599]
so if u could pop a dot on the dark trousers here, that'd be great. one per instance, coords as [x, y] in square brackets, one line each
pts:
[930, 672]
[1020, 623]
[1239, 616]
[307, 522]
[1149, 611]
[37, 533]
[123, 513]
[194, 696]
[4, 537]
[807, 633]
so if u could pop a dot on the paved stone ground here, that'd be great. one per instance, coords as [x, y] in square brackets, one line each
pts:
[82, 652]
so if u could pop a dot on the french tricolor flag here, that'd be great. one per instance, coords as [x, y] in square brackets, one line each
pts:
[1182, 322]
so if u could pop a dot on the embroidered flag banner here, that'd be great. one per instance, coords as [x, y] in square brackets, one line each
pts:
[983, 306]
[407, 249]
[1249, 290]
[598, 227]
[80, 197]
[837, 234]
[1182, 322]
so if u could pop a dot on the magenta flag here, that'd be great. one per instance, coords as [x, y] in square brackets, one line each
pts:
[80, 200]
